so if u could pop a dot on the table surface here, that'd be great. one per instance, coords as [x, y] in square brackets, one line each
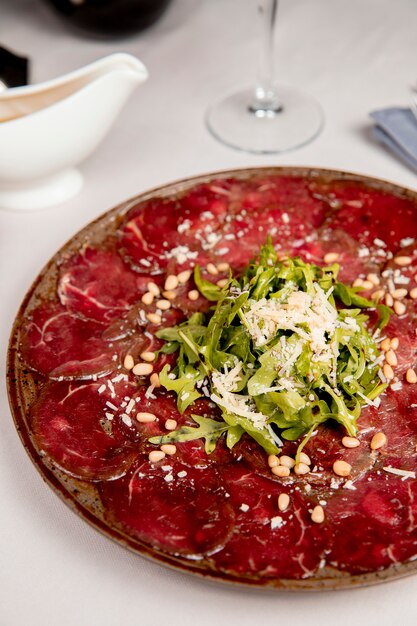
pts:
[354, 57]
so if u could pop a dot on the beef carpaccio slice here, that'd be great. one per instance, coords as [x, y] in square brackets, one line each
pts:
[57, 343]
[219, 512]
[175, 507]
[97, 285]
[70, 422]
[266, 542]
[368, 214]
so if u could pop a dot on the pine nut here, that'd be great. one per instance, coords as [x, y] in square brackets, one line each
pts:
[367, 284]
[395, 342]
[142, 369]
[154, 318]
[147, 298]
[287, 461]
[169, 295]
[399, 294]
[358, 282]
[413, 293]
[184, 276]
[273, 460]
[164, 305]
[378, 295]
[171, 424]
[155, 380]
[399, 307]
[283, 501]
[389, 300]
[301, 468]
[331, 257]
[317, 516]
[171, 282]
[223, 267]
[403, 260]
[169, 448]
[411, 376]
[378, 440]
[386, 344]
[391, 358]
[373, 278]
[153, 288]
[388, 371]
[212, 269]
[341, 468]
[147, 356]
[128, 362]
[281, 471]
[350, 442]
[304, 458]
[156, 455]
[144, 417]
[222, 283]
[193, 294]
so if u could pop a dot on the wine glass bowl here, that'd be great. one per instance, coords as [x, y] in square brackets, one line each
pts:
[267, 118]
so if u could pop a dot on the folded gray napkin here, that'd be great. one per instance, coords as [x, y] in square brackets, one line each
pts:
[396, 128]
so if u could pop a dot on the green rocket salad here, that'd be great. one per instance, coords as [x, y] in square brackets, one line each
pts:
[284, 349]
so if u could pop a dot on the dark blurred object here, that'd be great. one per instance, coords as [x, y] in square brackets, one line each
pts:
[111, 17]
[13, 69]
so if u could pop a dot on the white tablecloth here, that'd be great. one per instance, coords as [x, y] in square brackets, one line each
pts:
[353, 56]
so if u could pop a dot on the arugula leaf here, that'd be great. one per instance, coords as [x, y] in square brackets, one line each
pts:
[262, 436]
[210, 291]
[208, 429]
[184, 387]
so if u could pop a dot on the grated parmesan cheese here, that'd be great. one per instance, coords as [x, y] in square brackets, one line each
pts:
[277, 522]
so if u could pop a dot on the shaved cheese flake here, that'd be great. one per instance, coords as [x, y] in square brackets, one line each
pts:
[399, 472]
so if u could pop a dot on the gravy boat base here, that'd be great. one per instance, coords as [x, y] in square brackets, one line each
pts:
[42, 193]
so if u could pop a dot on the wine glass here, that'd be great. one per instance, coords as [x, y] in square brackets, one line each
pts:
[266, 119]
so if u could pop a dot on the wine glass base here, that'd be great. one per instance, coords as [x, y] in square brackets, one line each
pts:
[233, 122]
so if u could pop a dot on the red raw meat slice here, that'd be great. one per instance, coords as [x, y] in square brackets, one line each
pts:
[59, 344]
[144, 232]
[373, 526]
[325, 447]
[214, 197]
[96, 284]
[366, 214]
[287, 193]
[397, 419]
[326, 241]
[131, 326]
[253, 455]
[221, 218]
[171, 506]
[265, 541]
[70, 426]
[150, 235]
[279, 207]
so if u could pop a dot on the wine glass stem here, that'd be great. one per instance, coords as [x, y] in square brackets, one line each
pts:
[266, 101]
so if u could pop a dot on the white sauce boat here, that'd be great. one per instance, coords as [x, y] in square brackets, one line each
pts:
[47, 129]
